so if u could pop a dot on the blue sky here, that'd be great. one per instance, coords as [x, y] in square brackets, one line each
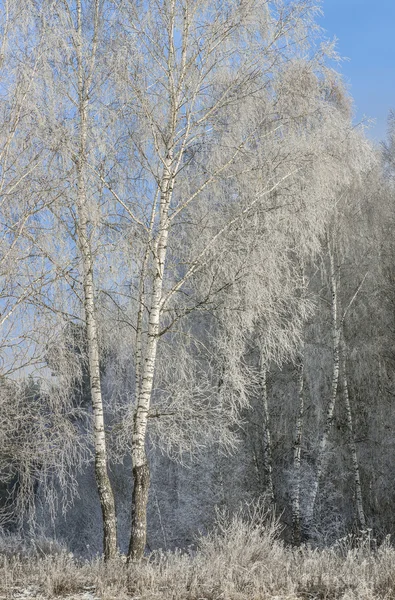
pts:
[366, 36]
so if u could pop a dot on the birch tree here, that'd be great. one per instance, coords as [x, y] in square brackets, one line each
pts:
[335, 335]
[340, 306]
[353, 448]
[40, 446]
[67, 235]
[85, 74]
[208, 99]
[178, 134]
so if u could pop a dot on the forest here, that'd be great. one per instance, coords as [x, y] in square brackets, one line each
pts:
[197, 294]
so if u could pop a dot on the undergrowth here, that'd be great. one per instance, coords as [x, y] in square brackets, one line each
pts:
[243, 559]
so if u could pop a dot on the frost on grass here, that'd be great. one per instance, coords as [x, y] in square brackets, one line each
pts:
[241, 559]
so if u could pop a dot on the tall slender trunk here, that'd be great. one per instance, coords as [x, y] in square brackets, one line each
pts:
[139, 457]
[352, 445]
[297, 452]
[101, 473]
[146, 366]
[332, 400]
[267, 441]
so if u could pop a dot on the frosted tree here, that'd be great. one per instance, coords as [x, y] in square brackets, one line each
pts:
[344, 238]
[192, 156]
[38, 440]
[215, 144]
[21, 154]
[67, 235]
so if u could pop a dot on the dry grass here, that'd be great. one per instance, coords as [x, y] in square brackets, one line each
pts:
[241, 560]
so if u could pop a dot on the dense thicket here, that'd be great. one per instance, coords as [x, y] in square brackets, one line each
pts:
[196, 275]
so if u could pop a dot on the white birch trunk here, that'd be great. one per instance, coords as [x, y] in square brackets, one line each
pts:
[101, 473]
[139, 457]
[332, 400]
[145, 371]
[353, 448]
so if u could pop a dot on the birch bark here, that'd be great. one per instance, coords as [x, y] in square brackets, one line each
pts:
[353, 448]
[146, 361]
[101, 472]
[334, 386]
[140, 463]
[194, 70]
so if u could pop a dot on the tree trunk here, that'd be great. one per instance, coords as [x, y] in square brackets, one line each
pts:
[139, 457]
[332, 401]
[101, 473]
[296, 519]
[353, 448]
[141, 478]
[102, 479]
[267, 442]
